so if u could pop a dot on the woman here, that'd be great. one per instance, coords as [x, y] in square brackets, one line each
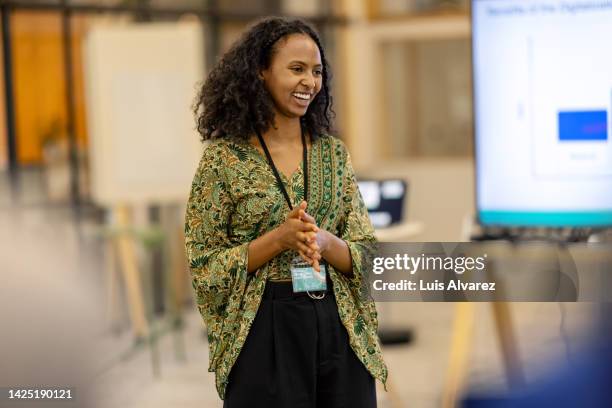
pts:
[277, 234]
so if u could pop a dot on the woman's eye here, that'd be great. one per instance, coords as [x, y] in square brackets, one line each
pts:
[318, 72]
[297, 69]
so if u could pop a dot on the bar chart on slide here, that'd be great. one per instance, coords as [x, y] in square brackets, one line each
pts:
[583, 126]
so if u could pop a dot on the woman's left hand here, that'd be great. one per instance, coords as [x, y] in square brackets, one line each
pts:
[318, 240]
[335, 250]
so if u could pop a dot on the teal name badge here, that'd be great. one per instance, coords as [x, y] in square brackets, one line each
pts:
[305, 278]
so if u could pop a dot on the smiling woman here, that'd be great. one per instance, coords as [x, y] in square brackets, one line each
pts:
[294, 77]
[277, 235]
[234, 99]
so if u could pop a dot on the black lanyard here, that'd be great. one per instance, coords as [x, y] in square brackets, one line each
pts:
[279, 181]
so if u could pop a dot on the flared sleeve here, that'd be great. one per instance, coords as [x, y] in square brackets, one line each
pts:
[356, 230]
[356, 307]
[218, 266]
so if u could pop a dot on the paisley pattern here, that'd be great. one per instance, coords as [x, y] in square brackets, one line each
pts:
[234, 199]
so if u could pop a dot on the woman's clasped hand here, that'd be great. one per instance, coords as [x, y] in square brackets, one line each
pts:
[299, 233]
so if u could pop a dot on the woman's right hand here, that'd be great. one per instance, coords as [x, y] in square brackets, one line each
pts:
[298, 235]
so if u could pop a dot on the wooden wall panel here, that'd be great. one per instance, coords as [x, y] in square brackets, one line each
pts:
[40, 98]
[3, 133]
[39, 81]
[80, 25]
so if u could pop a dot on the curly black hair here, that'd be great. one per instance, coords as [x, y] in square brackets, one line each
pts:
[233, 100]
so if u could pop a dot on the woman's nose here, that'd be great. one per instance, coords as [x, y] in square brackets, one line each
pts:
[309, 81]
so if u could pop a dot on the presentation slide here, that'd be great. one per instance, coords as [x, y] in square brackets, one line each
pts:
[543, 111]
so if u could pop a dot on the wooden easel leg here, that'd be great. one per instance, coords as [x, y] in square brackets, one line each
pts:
[179, 269]
[463, 331]
[112, 285]
[505, 333]
[131, 276]
[175, 278]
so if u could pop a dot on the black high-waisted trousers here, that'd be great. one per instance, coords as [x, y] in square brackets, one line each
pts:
[297, 355]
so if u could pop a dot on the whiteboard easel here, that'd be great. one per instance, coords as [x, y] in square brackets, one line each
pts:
[140, 82]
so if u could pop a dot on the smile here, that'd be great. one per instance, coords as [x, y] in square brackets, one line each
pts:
[302, 96]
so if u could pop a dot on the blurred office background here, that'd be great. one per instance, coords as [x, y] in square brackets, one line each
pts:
[403, 97]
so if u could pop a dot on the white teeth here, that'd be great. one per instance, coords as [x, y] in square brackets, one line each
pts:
[304, 96]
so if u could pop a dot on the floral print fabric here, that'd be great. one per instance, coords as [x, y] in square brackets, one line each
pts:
[234, 199]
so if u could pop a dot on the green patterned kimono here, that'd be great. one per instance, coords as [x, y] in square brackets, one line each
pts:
[234, 199]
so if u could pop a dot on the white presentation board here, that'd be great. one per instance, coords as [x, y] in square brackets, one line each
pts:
[543, 104]
[140, 82]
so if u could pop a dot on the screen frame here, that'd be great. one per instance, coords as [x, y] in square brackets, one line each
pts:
[477, 172]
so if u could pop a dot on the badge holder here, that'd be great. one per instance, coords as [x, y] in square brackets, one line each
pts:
[305, 278]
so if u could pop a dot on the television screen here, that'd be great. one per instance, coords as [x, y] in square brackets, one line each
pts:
[543, 104]
[384, 200]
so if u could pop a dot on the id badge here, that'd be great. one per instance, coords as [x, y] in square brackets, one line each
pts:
[305, 278]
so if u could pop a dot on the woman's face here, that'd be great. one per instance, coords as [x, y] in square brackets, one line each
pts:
[294, 76]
